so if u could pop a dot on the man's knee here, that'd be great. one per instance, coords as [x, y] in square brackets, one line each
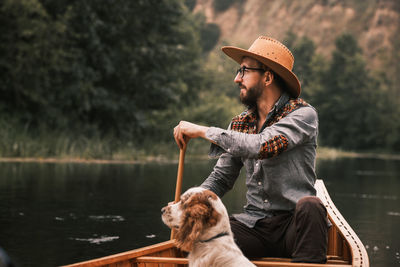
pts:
[246, 239]
[310, 204]
[311, 231]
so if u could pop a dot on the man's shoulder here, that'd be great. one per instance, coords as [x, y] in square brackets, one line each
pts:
[306, 112]
[246, 113]
[304, 106]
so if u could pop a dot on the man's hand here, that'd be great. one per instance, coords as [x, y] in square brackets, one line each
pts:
[185, 131]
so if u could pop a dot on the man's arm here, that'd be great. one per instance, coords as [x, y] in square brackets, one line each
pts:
[227, 168]
[296, 128]
[290, 131]
[185, 131]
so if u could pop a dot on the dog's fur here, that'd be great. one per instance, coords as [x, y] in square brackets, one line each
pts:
[203, 229]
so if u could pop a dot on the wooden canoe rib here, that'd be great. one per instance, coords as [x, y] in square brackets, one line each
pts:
[344, 248]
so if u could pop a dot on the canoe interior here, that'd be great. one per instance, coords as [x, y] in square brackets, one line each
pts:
[344, 248]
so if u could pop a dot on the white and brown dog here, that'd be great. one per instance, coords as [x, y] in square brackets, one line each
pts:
[202, 229]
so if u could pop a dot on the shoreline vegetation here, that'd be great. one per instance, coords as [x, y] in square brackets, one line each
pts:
[79, 84]
[323, 153]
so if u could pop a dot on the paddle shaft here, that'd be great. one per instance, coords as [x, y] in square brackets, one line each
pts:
[179, 178]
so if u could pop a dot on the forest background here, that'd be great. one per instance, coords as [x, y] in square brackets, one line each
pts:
[110, 79]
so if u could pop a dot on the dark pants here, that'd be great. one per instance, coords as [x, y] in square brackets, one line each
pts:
[301, 235]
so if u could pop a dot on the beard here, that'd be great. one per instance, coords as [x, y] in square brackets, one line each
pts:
[250, 96]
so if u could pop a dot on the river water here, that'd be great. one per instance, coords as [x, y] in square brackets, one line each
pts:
[53, 214]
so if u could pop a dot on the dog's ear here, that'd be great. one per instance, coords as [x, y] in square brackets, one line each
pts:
[198, 215]
[195, 219]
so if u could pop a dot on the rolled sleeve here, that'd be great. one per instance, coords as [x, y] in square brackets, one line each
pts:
[215, 134]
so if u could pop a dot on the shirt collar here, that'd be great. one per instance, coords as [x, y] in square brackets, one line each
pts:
[283, 99]
[250, 115]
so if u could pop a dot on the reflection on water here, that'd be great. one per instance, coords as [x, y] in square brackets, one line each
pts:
[367, 192]
[54, 214]
[97, 240]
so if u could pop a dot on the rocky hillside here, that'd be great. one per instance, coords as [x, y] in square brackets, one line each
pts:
[375, 23]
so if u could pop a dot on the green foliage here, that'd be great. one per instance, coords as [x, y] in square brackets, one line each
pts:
[222, 5]
[355, 110]
[89, 79]
[97, 71]
[97, 67]
[346, 83]
[221, 71]
[19, 141]
[304, 53]
[209, 34]
[190, 4]
[29, 58]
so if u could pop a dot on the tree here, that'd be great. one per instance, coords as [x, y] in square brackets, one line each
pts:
[102, 67]
[350, 107]
[356, 107]
[30, 60]
[304, 67]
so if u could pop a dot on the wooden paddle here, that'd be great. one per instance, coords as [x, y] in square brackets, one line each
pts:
[178, 188]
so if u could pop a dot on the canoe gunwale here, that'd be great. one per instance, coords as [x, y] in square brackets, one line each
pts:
[128, 255]
[358, 252]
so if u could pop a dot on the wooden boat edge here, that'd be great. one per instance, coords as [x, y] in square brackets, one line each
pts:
[128, 255]
[357, 249]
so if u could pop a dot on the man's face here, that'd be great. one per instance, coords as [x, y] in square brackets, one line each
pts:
[249, 82]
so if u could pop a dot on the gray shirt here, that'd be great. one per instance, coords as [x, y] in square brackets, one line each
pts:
[279, 159]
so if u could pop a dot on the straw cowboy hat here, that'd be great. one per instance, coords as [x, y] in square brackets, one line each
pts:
[272, 54]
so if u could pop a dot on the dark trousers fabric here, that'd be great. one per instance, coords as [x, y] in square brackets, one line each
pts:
[301, 235]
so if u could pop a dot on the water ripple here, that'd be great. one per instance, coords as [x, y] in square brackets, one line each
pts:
[97, 240]
[393, 213]
[367, 196]
[113, 218]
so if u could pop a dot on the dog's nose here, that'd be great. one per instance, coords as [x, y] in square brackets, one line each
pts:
[163, 210]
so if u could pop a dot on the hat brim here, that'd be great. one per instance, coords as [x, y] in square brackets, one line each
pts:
[291, 80]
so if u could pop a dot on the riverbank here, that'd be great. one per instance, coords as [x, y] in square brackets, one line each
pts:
[333, 153]
[323, 153]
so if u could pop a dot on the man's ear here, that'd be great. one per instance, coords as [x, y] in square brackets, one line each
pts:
[269, 77]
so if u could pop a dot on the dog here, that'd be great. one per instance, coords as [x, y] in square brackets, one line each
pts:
[202, 228]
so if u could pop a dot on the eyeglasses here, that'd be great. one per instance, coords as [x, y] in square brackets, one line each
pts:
[243, 69]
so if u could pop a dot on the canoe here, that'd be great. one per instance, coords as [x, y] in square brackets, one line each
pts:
[344, 248]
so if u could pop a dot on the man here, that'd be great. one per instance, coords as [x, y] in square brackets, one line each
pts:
[275, 139]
